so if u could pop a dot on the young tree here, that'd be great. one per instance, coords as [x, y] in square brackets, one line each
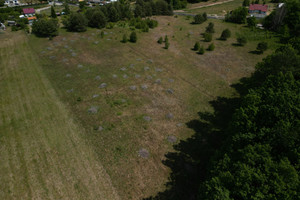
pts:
[246, 3]
[76, 22]
[262, 46]
[53, 14]
[166, 39]
[196, 46]
[167, 44]
[211, 47]
[241, 40]
[160, 40]
[201, 50]
[225, 34]
[210, 28]
[124, 40]
[207, 37]
[45, 27]
[133, 37]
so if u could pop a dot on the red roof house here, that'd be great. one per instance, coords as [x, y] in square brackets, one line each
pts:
[28, 11]
[258, 8]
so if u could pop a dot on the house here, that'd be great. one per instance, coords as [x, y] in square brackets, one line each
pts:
[258, 9]
[28, 12]
[11, 2]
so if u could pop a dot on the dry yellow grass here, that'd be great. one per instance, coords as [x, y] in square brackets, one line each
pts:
[42, 153]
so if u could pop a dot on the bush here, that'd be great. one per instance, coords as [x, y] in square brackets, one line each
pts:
[45, 27]
[124, 40]
[210, 28]
[211, 47]
[76, 22]
[262, 46]
[225, 34]
[160, 40]
[133, 37]
[196, 46]
[201, 50]
[241, 40]
[199, 19]
[207, 37]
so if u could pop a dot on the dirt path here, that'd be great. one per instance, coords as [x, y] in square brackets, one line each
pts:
[42, 153]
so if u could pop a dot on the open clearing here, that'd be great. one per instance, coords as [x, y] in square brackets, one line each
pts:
[42, 152]
[133, 100]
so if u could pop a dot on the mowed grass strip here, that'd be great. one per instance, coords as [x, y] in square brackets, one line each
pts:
[42, 153]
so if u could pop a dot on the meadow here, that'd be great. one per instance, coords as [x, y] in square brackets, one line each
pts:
[99, 115]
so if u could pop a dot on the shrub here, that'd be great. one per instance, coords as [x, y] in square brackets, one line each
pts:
[124, 40]
[160, 40]
[211, 47]
[167, 44]
[76, 22]
[196, 46]
[225, 34]
[207, 37]
[166, 39]
[133, 37]
[199, 19]
[262, 46]
[201, 50]
[241, 40]
[210, 28]
[45, 27]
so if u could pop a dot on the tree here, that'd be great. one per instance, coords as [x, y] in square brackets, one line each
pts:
[225, 34]
[97, 19]
[113, 14]
[167, 44]
[207, 37]
[133, 37]
[257, 2]
[124, 40]
[211, 47]
[199, 19]
[246, 3]
[210, 28]
[66, 10]
[196, 46]
[201, 50]
[262, 46]
[166, 39]
[82, 5]
[251, 21]
[160, 40]
[45, 27]
[241, 40]
[53, 14]
[138, 11]
[237, 16]
[76, 22]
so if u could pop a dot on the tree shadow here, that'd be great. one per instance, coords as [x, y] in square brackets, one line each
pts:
[189, 163]
[236, 45]
[255, 52]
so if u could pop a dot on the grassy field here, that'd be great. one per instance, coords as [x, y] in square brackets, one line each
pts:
[220, 9]
[170, 87]
[42, 152]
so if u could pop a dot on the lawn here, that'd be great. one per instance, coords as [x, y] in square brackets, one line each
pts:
[220, 9]
[132, 98]
[43, 154]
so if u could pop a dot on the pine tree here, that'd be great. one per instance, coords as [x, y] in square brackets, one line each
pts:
[160, 40]
[196, 46]
[201, 50]
[211, 47]
[53, 14]
[133, 37]
[124, 40]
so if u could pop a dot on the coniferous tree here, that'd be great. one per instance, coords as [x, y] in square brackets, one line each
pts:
[225, 34]
[133, 37]
[53, 14]
[196, 46]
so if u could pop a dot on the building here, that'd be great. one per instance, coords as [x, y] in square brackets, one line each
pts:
[31, 19]
[258, 9]
[29, 12]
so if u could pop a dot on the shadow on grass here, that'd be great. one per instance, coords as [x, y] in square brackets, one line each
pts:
[189, 163]
[236, 45]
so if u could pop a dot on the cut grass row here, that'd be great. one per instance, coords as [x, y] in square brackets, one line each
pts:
[42, 152]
